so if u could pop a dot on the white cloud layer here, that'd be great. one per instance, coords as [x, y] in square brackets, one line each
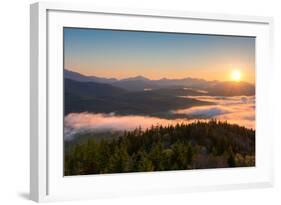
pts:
[79, 122]
[237, 110]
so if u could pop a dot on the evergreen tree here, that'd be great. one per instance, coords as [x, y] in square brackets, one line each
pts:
[183, 146]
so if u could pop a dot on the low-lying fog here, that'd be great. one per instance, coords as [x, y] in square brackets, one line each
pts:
[79, 122]
[237, 110]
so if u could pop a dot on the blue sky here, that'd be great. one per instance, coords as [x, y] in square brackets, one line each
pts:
[121, 54]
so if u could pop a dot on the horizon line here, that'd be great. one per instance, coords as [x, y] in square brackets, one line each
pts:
[119, 79]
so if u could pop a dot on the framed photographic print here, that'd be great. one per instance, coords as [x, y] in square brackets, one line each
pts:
[127, 102]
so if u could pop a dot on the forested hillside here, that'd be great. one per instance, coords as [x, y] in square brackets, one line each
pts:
[198, 145]
[105, 98]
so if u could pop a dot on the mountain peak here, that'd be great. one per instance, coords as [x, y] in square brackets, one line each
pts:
[139, 77]
[83, 78]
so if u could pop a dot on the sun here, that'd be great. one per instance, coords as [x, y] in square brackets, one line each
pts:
[236, 75]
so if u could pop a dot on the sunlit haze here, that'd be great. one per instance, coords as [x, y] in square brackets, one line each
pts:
[155, 55]
[236, 75]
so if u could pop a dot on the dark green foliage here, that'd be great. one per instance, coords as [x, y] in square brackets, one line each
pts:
[180, 147]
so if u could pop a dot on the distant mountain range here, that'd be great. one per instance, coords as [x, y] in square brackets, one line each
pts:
[141, 96]
[82, 78]
[140, 83]
[105, 98]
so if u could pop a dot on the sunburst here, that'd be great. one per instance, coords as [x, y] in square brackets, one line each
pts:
[236, 75]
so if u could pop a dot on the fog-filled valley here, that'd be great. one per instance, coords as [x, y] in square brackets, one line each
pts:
[93, 103]
[136, 124]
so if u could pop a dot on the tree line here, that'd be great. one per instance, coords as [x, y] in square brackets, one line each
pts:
[198, 145]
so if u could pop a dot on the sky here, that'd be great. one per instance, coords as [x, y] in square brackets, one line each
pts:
[156, 55]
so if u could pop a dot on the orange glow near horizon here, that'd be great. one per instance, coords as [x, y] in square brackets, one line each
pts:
[236, 75]
[156, 55]
[223, 73]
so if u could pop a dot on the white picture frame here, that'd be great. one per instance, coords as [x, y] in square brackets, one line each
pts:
[47, 182]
